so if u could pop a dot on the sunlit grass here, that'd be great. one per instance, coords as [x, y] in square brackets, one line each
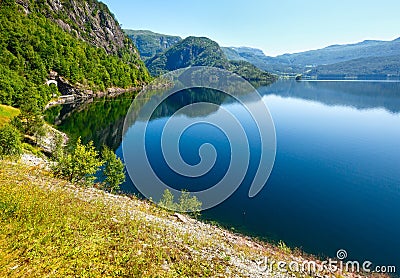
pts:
[52, 232]
[7, 113]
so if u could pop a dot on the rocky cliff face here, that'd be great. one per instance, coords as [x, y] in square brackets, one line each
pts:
[90, 21]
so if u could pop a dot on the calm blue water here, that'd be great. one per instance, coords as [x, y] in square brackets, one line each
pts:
[336, 180]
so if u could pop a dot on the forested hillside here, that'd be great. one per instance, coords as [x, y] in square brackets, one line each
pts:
[37, 37]
[192, 51]
[150, 43]
[201, 51]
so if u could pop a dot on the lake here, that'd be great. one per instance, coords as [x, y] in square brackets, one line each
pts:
[336, 179]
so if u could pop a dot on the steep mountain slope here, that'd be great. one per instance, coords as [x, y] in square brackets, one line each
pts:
[232, 54]
[150, 43]
[192, 51]
[77, 42]
[88, 20]
[201, 51]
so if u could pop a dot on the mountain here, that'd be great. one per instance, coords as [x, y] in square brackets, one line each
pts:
[370, 67]
[78, 43]
[201, 51]
[334, 54]
[192, 51]
[232, 54]
[90, 21]
[150, 43]
[259, 59]
[340, 53]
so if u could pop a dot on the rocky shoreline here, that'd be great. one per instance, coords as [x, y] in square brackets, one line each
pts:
[77, 93]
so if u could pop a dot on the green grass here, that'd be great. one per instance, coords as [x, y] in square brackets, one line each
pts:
[7, 113]
[53, 233]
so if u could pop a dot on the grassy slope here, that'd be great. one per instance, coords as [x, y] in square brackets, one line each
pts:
[7, 113]
[54, 232]
[51, 228]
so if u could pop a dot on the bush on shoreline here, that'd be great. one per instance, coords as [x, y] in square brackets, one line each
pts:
[10, 141]
[186, 203]
[80, 165]
[113, 170]
[83, 162]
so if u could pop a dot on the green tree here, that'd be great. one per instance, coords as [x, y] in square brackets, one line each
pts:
[10, 141]
[167, 200]
[80, 165]
[30, 121]
[113, 170]
[187, 203]
[54, 90]
[57, 147]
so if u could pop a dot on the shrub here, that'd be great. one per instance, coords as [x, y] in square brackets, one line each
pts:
[57, 146]
[187, 203]
[80, 165]
[167, 201]
[113, 170]
[10, 141]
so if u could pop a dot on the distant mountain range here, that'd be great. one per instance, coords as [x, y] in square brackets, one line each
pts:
[369, 67]
[258, 58]
[340, 53]
[367, 59]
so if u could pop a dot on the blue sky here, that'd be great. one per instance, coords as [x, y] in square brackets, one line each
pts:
[276, 27]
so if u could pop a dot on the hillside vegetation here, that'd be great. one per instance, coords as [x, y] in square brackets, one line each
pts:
[32, 44]
[192, 51]
[51, 228]
[201, 51]
[7, 113]
[150, 43]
